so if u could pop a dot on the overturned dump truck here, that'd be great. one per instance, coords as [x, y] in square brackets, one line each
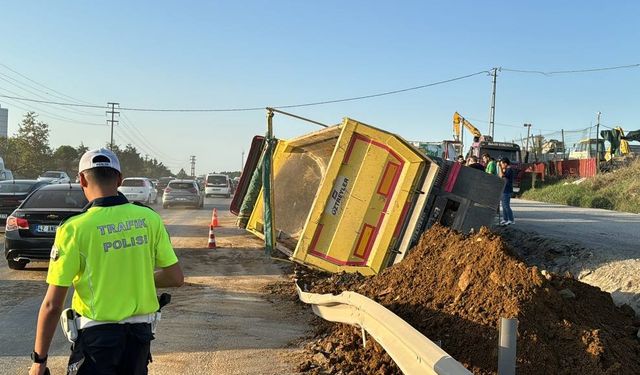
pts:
[355, 198]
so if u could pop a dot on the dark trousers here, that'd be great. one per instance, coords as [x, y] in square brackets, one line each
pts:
[112, 349]
[507, 213]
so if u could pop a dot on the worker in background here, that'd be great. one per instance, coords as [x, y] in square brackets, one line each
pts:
[473, 163]
[490, 165]
[109, 254]
[507, 174]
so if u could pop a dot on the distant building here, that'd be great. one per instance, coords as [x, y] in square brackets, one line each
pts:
[4, 122]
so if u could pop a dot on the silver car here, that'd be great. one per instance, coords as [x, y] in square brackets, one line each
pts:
[183, 193]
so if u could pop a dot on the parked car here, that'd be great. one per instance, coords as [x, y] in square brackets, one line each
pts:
[31, 228]
[55, 177]
[183, 193]
[13, 192]
[218, 184]
[162, 183]
[139, 189]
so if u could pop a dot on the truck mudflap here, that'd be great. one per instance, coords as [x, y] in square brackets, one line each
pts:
[344, 196]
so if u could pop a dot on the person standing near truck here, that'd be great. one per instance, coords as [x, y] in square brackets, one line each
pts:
[109, 254]
[490, 165]
[507, 174]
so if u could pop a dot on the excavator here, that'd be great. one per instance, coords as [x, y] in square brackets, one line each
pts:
[457, 130]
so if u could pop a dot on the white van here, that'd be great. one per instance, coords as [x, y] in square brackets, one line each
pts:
[217, 184]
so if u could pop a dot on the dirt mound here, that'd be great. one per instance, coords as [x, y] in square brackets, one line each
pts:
[455, 289]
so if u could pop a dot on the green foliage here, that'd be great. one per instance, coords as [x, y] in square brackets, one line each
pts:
[182, 173]
[66, 158]
[31, 147]
[618, 190]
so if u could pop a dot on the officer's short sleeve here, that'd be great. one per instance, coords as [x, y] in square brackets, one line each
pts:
[165, 256]
[64, 264]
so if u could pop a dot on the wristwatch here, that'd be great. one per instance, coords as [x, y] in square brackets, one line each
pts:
[37, 359]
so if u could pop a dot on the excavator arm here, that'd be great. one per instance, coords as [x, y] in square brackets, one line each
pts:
[457, 120]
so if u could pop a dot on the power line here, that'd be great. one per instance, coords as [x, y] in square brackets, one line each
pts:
[21, 86]
[631, 66]
[246, 109]
[324, 102]
[41, 85]
[56, 103]
[142, 139]
[53, 116]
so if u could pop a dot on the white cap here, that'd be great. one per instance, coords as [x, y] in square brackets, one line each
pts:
[88, 160]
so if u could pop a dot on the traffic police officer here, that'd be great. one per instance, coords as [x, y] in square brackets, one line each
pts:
[114, 254]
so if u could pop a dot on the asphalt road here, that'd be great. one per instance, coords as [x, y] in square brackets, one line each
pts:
[594, 228]
[221, 321]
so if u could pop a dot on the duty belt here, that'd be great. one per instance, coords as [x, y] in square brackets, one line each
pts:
[72, 322]
[83, 322]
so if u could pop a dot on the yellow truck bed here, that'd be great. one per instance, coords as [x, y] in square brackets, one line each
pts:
[344, 197]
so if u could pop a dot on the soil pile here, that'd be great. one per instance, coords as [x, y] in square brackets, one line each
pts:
[454, 289]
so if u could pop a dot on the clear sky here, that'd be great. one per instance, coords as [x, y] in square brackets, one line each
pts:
[237, 54]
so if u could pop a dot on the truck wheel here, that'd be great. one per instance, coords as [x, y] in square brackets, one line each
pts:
[16, 265]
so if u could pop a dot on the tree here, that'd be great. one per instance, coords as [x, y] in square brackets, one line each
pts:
[32, 150]
[66, 158]
[7, 152]
[182, 173]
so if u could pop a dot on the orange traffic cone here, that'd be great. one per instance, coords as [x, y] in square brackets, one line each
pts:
[212, 239]
[214, 218]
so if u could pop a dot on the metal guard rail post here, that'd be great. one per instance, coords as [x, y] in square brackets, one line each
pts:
[413, 352]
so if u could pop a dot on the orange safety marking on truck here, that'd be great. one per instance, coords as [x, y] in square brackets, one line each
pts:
[390, 172]
[363, 241]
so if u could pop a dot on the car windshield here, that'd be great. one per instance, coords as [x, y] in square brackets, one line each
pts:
[52, 174]
[181, 185]
[16, 187]
[135, 182]
[56, 199]
[217, 180]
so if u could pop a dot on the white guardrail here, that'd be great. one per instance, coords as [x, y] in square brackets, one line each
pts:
[413, 352]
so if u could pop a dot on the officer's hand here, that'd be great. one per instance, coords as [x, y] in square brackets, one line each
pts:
[37, 369]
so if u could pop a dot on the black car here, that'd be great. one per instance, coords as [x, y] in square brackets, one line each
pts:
[13, 192]
[31, 228]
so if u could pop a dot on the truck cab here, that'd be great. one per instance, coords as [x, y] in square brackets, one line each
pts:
[586, 148]
[511, 151]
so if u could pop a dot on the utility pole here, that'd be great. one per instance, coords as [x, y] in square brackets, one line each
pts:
[192, 158]
[113, 120]
[563, 146]
[526, 148]
[597, 143]
[242, 162]
[492, 112]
